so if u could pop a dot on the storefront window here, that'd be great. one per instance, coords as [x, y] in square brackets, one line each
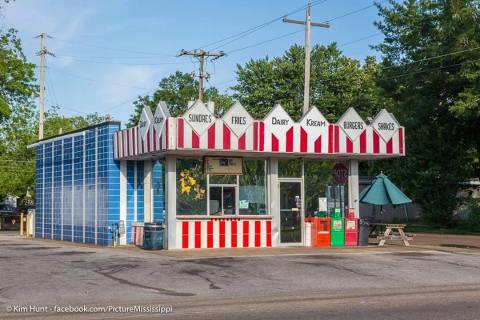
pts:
[253, 188]
[319, 183]
[191, 187]
[290, 168]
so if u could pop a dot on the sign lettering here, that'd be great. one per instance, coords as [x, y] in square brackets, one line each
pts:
[385, 125]
[352, 124]
[238, 119]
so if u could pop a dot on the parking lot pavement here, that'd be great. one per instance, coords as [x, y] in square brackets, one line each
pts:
[44, 273]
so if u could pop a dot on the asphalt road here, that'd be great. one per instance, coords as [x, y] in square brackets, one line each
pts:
[414, 284]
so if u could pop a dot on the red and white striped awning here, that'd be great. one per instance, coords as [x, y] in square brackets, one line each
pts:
[200, 132]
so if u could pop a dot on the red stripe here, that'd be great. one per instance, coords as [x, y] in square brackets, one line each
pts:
[245, 234]
[185, 234]
[154, 139]
[211, 137]
[222, 233]
[303, 140]
[349, 145]
[269, 233]
[234, 233]
[255, 136]
[226, 137]
[400, 140]
[257, 233]
[241, 142]
[363, 142]
[210, 234]
[180, 131]
[117, 151]
[195, 140]
[135, 141]
[166, 133]
[198, 234]
[337, 138]
[274, 143]
[128, 142]
[262, 135]
[376, 142]
[330, 138]
[148, 140]
[123, 146]
[289, 147]
[390, 146]
[318, 145]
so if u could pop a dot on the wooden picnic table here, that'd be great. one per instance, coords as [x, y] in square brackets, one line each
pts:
[391, 232]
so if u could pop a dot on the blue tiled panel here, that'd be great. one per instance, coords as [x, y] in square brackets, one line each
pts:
[77, 186]
[48, 194]
[131, 208]
[140, 194]
[158, 195]
[39, 188]
[67, 189]
[113, 169]
[57, 190]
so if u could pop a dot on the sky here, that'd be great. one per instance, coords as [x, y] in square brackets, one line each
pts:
[109, 52]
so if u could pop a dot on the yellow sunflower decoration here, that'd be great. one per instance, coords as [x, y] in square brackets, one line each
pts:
[187, 182]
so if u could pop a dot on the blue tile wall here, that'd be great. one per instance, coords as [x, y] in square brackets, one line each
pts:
[140, 194]
[158, 195]
[77, 186]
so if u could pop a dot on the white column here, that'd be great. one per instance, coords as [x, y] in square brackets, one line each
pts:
[274, 201]
[147, 191]
[123, 199]
[353, 187]
[171, 202]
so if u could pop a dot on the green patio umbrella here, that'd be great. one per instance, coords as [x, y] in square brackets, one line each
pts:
[382, 192]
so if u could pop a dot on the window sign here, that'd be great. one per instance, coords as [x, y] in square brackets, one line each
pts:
[352, 124]
[385, 124]
[224, 166]
[238, 119]
[199, 117]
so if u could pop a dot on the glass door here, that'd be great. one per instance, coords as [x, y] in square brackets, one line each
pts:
[291, 211]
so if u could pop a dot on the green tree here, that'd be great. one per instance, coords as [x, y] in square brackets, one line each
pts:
[431, 70]
[337, 83]
[177, 90]
[16, 74]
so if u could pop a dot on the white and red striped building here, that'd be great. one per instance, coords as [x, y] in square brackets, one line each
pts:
[199, 133]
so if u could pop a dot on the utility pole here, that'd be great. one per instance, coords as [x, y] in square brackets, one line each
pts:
[307, 23]
[42, 53]
[201, 55]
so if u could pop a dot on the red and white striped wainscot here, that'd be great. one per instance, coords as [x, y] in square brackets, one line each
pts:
[370, 142]
[238, 232]
[217, 137]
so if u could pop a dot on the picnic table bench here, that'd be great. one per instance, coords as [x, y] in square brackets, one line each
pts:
[391, 232]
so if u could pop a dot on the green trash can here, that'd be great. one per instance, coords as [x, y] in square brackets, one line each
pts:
[337, 230]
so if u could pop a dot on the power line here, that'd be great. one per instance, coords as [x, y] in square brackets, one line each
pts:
[122, 63]
[114, 49]
[351, 12]
[344, 44]
[247, 32]
[95, 80]
[265, 41]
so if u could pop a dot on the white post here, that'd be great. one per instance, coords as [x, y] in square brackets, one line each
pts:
[353, 187]
[171, 202]
[147, 192]
[274, 201]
